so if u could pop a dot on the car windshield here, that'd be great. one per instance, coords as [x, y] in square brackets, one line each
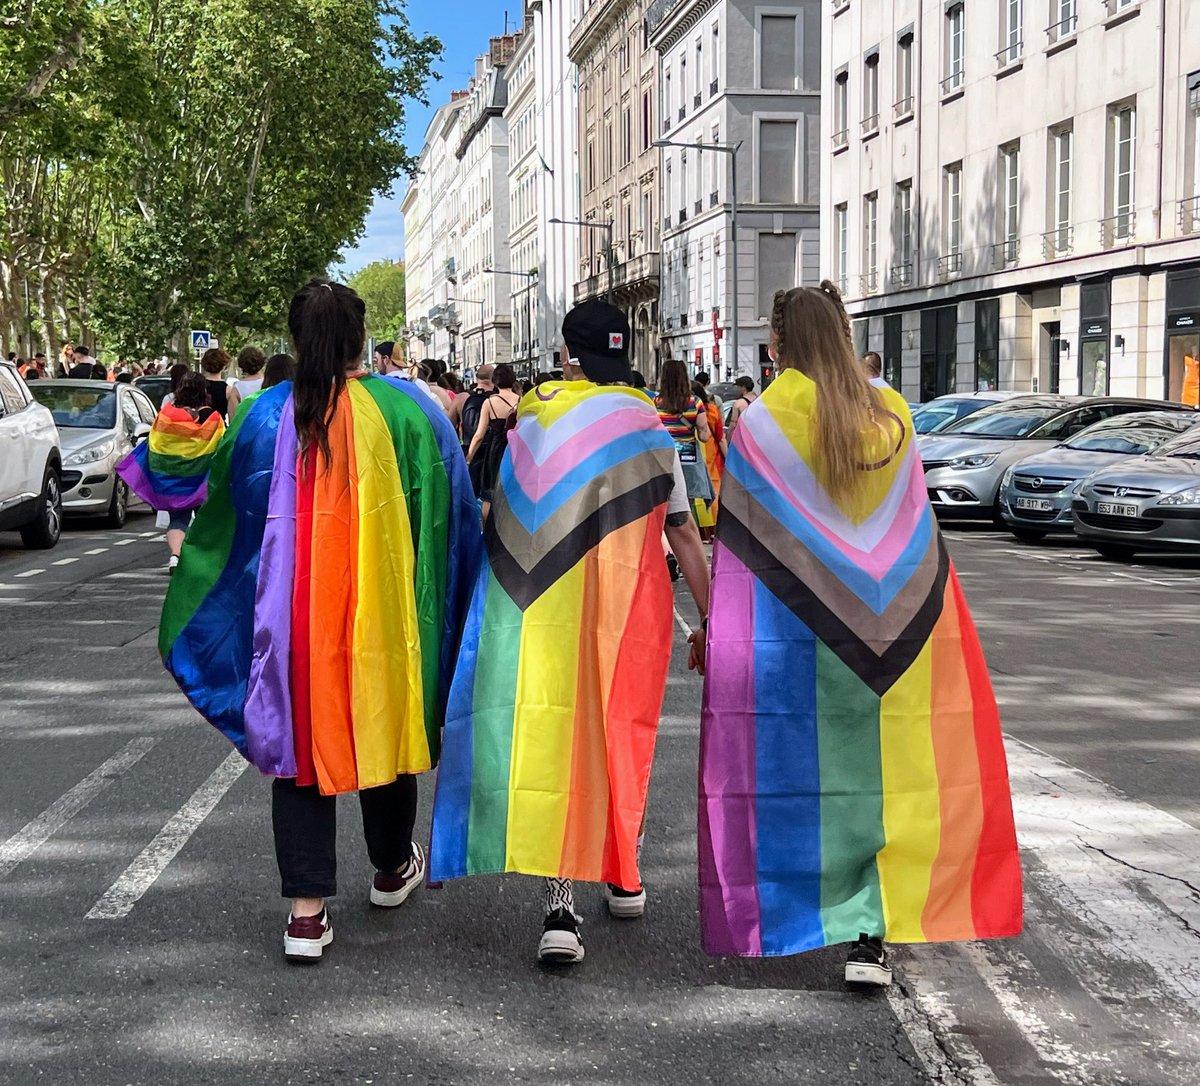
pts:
[937, 414]
[1185, 446]
[1132, 440]
[77, 408]
[1003, 421]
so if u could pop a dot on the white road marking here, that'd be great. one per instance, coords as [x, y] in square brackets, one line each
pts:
[34, 834]
[65, 561]
[146, 868]
[149, 535]
[29, 573]
[124, 542]
[681, 622]
[97, 550]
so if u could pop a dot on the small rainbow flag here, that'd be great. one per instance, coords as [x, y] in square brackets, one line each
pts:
[853, 776]
[169, 470]
[554, 708]
[315, 612]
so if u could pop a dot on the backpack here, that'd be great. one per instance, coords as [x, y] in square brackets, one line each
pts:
[469, 416]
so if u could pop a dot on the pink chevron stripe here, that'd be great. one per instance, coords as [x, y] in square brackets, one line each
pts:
[537, 478]
[876, 562]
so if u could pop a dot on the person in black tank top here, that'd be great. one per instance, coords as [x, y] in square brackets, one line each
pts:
[213, 363]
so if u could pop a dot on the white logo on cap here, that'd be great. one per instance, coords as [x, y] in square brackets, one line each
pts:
[616, 341]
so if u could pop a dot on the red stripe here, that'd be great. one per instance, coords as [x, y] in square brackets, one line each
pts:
[996, 902]
[306, 772]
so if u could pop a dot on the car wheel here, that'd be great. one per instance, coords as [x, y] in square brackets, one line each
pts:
[1116, 552]
[43, 531]
[118, 508]
[1028, 535]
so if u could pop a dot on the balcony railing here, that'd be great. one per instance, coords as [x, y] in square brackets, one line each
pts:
[842, 285]
[699, 316]
[1058, 243]
[955, 81]
[902, 275]
[1116, 7]
[1006, 253]
[840, 139]
[698, 207]
[869, 283]
[683, 320]
[1010, 54]
[839, 6]
[903, 109]
[1117, 228]
[870, 125]
[712, 87]
[1063, 29]
[682, 112]
[713, 199]
[949, 265]
[696, 100]
[1189, 215]
[682, 215]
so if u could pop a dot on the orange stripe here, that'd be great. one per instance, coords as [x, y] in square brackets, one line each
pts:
[332, 609]
[947, 913]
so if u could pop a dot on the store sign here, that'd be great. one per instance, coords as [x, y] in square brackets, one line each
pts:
[1185, 320]
[1095, 330]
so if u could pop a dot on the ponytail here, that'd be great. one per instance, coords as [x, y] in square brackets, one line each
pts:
[327, 322]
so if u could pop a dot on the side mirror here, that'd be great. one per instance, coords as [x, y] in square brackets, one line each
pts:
[140, 432]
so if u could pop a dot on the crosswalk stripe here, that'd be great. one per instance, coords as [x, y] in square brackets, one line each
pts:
[97, 550]
[34, 834]
[143, 872]
[30, 573]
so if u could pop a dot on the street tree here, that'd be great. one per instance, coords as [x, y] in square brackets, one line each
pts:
[381, 286]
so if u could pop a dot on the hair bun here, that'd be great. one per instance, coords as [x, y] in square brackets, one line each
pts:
[830, 288]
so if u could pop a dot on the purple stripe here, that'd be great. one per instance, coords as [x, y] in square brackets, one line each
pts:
[269, 741]
[730, 916]
[141, 482]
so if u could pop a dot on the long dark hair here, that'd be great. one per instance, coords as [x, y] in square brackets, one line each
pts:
[674, 388]
[327, 322]
[192, 391]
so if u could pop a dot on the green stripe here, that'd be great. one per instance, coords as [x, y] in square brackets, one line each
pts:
[427, 494]
[493, 699]
[181, 467]
[851, 801]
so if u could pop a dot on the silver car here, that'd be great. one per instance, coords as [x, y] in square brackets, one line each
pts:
[1035, 493]
[965, 462]
[98, 424]
[934, 416]
[1145, 503]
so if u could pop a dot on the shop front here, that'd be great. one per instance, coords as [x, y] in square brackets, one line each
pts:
[1181, 357]
[1094, 326]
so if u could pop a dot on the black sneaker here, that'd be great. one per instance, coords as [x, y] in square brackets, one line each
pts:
[867, 963]
[625, 904]
[561, 944]
[673, 567]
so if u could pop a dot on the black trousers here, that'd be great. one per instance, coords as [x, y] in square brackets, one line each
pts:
[305, 824]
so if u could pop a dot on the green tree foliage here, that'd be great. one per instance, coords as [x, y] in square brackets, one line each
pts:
[381, 286]
[191, 162]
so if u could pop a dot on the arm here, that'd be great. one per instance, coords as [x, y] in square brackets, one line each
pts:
[702, 430]
[484, 418]
[689, 553]
[234, 397]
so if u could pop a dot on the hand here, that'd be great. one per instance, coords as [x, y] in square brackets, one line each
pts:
[698, 640]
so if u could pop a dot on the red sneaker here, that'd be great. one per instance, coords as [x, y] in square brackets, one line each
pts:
[389, 889]
[307, 937]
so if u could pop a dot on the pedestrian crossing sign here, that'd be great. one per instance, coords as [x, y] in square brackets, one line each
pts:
[201, 339]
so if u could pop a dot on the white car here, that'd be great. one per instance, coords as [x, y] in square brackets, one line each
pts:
[30, 464]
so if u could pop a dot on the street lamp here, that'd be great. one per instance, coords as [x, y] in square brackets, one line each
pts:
[607, 227]
[730, 149]
[532, 277]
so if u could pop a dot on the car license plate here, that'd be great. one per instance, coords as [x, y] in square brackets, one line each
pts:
[1040, 505]
[1112, 509]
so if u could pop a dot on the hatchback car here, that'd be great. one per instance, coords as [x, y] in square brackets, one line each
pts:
[935, 415]
[99, 424]
[1145, 503]
[30, 464]
[1035, 493]
[965, 462]
[155, 386]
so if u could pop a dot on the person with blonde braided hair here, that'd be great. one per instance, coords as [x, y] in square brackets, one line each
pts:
[853, 784]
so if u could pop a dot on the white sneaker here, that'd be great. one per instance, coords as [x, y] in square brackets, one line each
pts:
[172, 562]
[625, 904]
[561, 943]
[307, 937]
[389, 889]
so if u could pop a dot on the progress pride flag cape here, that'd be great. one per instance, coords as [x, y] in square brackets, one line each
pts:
[554, 708]
[315, 612]
[853, 776]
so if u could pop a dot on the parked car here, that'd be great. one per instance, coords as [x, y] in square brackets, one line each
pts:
[155, 386]
[99, 423]
[1035, 493]
[965, 462]
[30, 464]
[935, 415]
[1145, 503]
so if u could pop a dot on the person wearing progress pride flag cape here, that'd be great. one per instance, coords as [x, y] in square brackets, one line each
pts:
[315, 613]
[555, 703]
[853, 782]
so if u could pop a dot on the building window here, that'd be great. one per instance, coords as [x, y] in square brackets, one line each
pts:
[666, 100]
[987, 345]
[776, 268]
[777, 162]
[841, 233]
[1189, 210]
[1064, 19]
[870, 278]
[608, 146]
[956, 50]
[714, 165]
[1009, 177]
[777, 52]
[589, 164]
[902, 272]
[714, 60]
[951, 263]
[1059, 240]
[1122, 184]
[683, 85]
[841, 107]
[699, 73]
[626, 135]
[647, 121]
[683, 186]
[1012, 32]
[904, 76]
[870, 102]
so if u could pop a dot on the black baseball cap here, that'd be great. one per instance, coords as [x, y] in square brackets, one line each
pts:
[597, 334]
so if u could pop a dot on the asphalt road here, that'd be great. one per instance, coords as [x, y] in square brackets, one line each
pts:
[141, 924]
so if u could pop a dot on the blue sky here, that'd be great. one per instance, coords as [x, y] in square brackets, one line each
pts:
[464, 27]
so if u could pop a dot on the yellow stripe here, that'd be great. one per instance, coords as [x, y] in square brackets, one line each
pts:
[174, 445]
[386, 690]
[570, 395]
[911, 802]
[544, 726]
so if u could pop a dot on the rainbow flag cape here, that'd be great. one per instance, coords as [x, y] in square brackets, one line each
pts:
[315, 613]
[852, 771]
[169, 470]
[555, 702]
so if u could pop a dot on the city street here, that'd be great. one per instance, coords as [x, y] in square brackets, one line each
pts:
[141, 922]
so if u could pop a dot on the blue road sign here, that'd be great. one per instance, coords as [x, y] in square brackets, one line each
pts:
[200, 339]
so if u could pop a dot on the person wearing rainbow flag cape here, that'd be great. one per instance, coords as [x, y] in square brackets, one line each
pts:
[853, 782]
[555, 702]
[315, 613]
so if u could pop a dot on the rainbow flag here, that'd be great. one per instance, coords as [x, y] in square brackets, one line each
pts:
[555, 702]
[852, 774]
[169, 470]
[315, 613]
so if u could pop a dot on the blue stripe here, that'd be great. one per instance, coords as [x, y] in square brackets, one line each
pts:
[788, 779]
[877, 595]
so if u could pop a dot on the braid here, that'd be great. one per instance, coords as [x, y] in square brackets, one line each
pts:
[777, 308]
[831, 291]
